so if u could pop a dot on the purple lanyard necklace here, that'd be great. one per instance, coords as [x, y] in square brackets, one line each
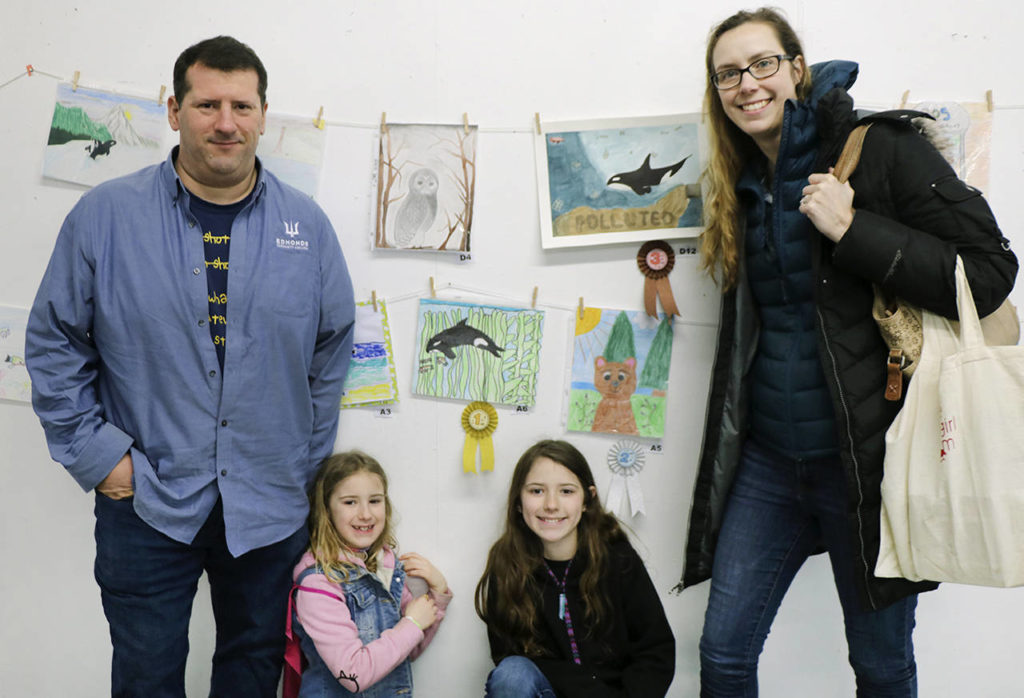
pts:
[563, 609]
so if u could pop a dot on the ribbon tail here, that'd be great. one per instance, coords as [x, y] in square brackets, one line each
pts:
[650, 297]
[615, 493]
[486, 454]
[668, 301]
[469, 455]
[636, 496]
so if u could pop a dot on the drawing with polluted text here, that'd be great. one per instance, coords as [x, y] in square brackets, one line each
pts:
[615, 180]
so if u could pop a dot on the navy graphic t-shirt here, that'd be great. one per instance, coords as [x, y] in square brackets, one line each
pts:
[215, 221]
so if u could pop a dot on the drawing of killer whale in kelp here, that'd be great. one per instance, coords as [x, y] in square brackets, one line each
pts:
[642, 179]
[460, 335]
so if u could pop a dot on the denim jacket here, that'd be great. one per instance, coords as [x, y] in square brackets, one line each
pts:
[353, 633]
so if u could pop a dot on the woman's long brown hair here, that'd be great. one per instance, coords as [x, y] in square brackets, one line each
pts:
[731, 149]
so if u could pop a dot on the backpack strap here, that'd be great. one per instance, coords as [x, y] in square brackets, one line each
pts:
[293, 659]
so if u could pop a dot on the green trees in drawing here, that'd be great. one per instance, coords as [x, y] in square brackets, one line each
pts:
[620, 340]
[475, 374]
[655, 373]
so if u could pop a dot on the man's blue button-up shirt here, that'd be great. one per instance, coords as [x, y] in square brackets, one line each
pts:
[121, 358]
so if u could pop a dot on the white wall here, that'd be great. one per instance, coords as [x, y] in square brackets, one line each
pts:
[500, 62]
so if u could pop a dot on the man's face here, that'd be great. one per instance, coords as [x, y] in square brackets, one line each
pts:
[219, 122]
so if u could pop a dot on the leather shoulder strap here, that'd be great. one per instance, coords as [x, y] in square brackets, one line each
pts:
[850, 156]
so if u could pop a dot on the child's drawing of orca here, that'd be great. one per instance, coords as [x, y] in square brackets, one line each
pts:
[459, 335]
[100, 148]
[643, 178]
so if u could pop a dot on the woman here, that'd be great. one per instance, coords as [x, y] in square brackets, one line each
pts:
[794, 442]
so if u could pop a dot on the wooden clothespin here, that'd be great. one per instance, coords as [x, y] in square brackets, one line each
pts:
[989, 101]
[533, 303]
[579, 312]
[433, 291]
[903, 100]
[384, 122]
[163, 91]
[536, 121]
[319, 123]
[29, 69]
[74, 82]
[465, 122]
[373, 299]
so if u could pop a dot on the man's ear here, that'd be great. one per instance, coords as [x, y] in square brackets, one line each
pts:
[172, 112]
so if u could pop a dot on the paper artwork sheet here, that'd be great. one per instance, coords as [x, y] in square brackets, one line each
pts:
[619, 373]
[966, 137]
[96, 136]
[14, 380]
[478, 352]
[619, 180]
[293, 149]
[371, 378]
[426, 182]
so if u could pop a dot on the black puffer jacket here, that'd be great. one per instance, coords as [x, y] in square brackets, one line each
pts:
[913, 217]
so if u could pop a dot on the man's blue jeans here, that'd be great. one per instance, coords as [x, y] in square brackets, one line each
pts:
[779, 512]
[517, 677]
[147, 583]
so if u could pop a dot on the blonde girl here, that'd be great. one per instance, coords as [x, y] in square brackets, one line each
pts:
[357, 621]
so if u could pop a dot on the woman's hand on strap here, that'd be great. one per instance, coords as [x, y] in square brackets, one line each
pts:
[829, 205]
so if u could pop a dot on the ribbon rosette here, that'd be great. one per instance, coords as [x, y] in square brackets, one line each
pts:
[626, 460]
[656, 260]
[479, 420]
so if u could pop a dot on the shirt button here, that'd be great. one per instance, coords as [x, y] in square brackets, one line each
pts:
[191, 224]
[212, 374]
[202, 322]
[224, 422]
[196, 271]
[223, 473]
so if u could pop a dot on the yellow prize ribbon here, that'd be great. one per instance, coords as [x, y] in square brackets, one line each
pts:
[479, 420]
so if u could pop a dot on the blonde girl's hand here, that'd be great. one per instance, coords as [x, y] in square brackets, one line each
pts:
[829, 205]
[419, 566]
[422, 610]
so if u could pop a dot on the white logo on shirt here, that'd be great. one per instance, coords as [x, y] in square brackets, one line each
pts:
[291, 230]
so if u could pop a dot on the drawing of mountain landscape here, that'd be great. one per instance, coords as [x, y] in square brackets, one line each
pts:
[96, 136]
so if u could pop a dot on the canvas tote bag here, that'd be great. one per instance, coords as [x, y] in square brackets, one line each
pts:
[953, 486]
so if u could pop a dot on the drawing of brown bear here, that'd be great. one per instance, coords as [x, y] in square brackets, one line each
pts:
[616, 383]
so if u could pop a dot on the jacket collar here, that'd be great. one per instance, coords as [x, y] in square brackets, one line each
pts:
[174, 187]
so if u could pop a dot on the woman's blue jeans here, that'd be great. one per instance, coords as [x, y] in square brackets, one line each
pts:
[517, 677]
[779, 512]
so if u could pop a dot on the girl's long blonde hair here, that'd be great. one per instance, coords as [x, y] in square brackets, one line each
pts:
[332, 555]
[507, 594]
[731, 149]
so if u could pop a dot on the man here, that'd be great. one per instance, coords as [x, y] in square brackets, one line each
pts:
[187, 348]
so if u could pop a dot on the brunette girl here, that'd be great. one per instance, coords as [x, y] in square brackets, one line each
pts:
[569, 607]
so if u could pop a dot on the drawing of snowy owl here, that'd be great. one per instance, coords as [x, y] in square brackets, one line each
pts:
[418, 209]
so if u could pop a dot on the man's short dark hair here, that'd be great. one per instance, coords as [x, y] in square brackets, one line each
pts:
[222, 53]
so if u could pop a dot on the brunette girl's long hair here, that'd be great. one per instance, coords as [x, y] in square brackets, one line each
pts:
[508, 594]
[332, 555]
[731, 149]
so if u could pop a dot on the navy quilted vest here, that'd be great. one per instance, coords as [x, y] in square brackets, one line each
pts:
[791, 406]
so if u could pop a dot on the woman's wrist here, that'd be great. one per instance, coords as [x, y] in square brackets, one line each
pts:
[415, 622]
